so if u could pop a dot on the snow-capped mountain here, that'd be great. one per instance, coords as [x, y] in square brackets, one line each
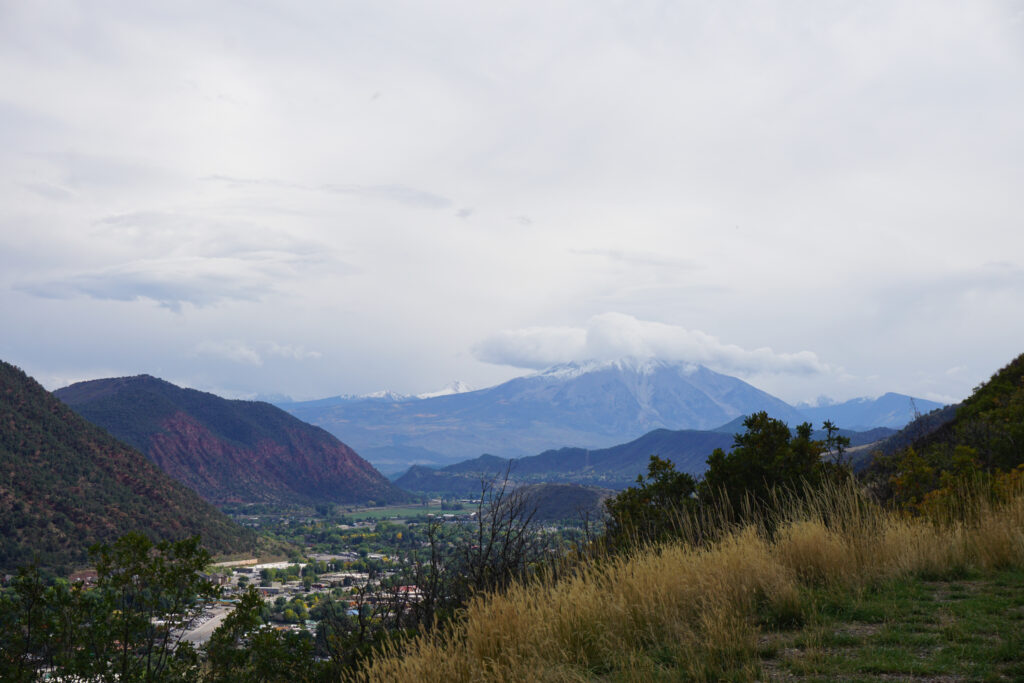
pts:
[591, 405]
[383, 395]
[456, 387]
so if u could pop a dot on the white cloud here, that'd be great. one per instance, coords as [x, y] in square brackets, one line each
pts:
[240, 274]
[533, 347]
[617, 335]
[396, 193]
[254, 354]
[232, 350]
[169, 282]
[292, 352]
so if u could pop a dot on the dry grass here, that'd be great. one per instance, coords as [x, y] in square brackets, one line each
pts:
[687, 611]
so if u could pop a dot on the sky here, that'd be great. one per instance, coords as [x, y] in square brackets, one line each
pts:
[266, 199]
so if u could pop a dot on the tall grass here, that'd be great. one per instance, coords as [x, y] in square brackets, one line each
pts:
[693, 608]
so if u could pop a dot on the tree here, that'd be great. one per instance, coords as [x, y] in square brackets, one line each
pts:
[151, 594]
[23, 619]
[835, 444]
[505, 543]
[764, 458]
[129, 627]
[241, 650]
[651, 510]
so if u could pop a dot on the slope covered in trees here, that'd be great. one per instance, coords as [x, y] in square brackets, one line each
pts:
[229, 451]
[982, 437]
[67, 484]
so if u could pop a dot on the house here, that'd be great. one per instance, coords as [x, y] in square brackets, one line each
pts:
[215, 579]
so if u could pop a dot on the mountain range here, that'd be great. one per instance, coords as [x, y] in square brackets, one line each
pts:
[229, 451]
[860, 414]
[67, 484]
[616, 467]
[590, 405]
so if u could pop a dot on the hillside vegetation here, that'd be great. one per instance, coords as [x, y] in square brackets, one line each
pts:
[709, 612]
[67, 484]
[565, 502]
[924, 465]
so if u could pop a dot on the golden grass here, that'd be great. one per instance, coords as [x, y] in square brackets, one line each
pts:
[682, 610]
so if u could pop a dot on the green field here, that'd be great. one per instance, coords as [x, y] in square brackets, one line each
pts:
[398, 511]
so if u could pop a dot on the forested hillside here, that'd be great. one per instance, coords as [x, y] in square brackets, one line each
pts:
[67, 484]
[981, 438]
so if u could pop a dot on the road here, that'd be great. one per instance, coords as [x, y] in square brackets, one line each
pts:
[202, 633]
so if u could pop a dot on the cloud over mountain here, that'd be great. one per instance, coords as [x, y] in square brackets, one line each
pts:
[616, 335]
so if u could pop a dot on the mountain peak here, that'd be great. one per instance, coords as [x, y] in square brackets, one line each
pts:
[72, 485]
[455, 387]
[229, 450]
[630, 364]
[385, 395]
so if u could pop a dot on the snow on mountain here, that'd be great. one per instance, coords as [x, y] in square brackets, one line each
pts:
[629, 364]
[385, 395]
[456, 387]
[589, 404]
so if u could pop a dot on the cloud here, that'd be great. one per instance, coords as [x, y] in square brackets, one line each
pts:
[173, 282]
[180, 258]
[252, 354]
[232, 350]
[533, 347]
[638, 258]
[397, 193]
[49, 191]
[292, 352]
[617, 335]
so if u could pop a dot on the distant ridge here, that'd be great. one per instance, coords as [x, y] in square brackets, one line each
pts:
[890, 410]
[615, 468]
[229, 451]
[67, 484]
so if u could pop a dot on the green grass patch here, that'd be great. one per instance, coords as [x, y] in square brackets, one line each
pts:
[959, 628]
[397, 512]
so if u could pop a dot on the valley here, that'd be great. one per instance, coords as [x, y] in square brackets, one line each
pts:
[338, 556]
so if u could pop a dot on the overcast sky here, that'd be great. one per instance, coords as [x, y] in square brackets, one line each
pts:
[824, 198]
